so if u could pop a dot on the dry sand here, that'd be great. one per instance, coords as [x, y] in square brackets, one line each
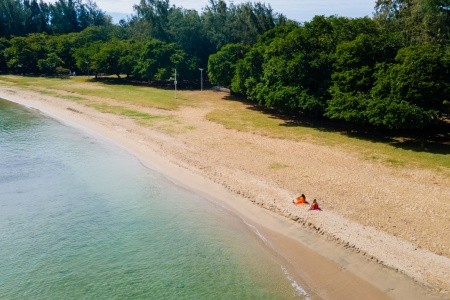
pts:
[375, 238]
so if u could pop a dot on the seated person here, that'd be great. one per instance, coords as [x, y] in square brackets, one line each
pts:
[315, 205]
[301, 200]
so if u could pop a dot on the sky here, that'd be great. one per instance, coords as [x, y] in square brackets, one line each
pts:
[298, 10]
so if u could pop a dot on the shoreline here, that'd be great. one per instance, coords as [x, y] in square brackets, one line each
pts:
[312, 256]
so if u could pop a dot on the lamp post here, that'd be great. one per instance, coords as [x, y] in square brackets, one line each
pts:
[175, 82]
[201, 79]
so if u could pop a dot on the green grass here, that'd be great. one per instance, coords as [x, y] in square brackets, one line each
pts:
[123, 111]
[235, 116]
[82, 86]
[166, 124]
[277, 166]
[143, 96]
[251, 121]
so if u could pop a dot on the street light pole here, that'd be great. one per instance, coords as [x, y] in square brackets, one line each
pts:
[201, 79]
[175, 82]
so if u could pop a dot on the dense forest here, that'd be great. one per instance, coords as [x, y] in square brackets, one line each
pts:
[390, 71]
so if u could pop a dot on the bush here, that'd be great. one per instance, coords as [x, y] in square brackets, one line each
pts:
[62, 72]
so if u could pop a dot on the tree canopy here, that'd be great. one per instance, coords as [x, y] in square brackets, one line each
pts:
[21, 17]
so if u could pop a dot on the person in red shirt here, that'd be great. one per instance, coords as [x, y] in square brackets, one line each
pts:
[315, 205]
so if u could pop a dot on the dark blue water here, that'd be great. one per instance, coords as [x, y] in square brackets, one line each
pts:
[81, 218]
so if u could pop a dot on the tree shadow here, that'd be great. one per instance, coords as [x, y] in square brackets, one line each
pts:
[160, 84]
[435, 140]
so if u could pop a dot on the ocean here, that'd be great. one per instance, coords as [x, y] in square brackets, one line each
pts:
[81, 218]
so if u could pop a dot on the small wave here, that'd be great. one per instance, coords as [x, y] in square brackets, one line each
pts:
[300, 291]
[259, 234]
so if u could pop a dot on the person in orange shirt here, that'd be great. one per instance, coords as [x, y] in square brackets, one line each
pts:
[315, 205]
[301, 200]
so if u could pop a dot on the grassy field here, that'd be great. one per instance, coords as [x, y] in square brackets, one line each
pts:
[76, 88]
[104, 96]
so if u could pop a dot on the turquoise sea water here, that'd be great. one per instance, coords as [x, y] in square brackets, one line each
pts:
[83, 219]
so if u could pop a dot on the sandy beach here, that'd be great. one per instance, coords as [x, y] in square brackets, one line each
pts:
[376, 238]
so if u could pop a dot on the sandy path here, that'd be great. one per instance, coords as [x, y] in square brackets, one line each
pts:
[367, 207]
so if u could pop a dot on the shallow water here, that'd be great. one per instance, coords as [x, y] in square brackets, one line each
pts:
[81, 218]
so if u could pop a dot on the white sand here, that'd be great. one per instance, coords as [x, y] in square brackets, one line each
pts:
[338, 251]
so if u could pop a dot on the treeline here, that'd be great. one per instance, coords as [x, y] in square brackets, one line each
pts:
[153, 42]
[21, 17]
[390, 72]
[148, 46]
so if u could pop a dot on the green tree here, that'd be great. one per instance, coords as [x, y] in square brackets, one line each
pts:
[222, 65]
[409, 93]
[243, 23]
[249, 70]
[186, 30]
[118, 57]
[130, 57]
[298, 63]
[420, 75]
[21, 17]
[49, 65]
[107, 58]
[89, 14]
[85, 57]
[349, 106]
[158, 60]
[249, 20]
[4, 44]
[74, 16]
[395, 114]
[215, 19]
[388, 11]
[64, 47]
[156, 14]
[36, 16]
[200, 35]
[68, 44]
[12, 18]
[248, 73]
[64, 16]
[93, 34]
[292, 67]
[23, 54]
[417, 21]
[354, 75]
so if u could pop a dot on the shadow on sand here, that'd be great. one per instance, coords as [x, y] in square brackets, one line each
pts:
[435, 140]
